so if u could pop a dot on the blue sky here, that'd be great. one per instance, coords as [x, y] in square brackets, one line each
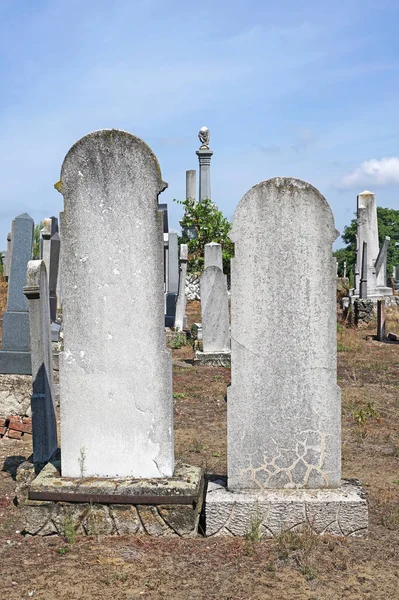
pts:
[303, 89]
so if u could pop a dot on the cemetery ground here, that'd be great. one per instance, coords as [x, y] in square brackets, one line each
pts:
[291, 566]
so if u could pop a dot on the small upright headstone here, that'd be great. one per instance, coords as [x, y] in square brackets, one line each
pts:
[204, 157]
[115, 373]
[15, 353]
[44, 424]
[181, 319]
[214, 310]
[213, 255]
[283, 406]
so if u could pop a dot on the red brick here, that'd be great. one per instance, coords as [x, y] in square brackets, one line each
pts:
[14, 418]
[27, 435]
[27, 420]
[3, 422]
[3, 430]
[15, 435]
[24, 427]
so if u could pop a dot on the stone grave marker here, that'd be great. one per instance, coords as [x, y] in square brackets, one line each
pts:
[44, 424]
[284, 404]
[181, 319]
[15, 352]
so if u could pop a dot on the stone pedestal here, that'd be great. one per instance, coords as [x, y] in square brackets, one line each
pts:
[341, 511]
[213, 359]
[204, 158]
[51, 504]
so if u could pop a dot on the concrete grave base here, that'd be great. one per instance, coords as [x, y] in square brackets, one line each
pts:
[215, 359]
[341, 511]
[52, 504]
[15, 363]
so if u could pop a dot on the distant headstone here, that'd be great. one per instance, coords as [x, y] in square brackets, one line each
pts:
[8, 257]
[15, 353]
[115, 372]
[213, 255]
[44, 424]
[381, 327]
[172, 280]
[181, 319]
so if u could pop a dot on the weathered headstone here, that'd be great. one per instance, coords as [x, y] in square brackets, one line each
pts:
[172, 279]
[214, 310]
[44, 424]
[181, 319]
[367, 231]
[283, 407]
[191, 184]
[381, 264]
[213, 255]
[115, 372]
[15, 353]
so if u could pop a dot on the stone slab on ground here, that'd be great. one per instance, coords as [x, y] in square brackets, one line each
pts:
[167, 507]
[215, 359]
[342, 511]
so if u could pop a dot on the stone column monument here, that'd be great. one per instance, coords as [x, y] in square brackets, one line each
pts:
[191, 184]
[204, 157]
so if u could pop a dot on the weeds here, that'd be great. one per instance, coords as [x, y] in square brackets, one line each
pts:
[178, 340]
[178, 396]
[254, 534]
[300, 546]
[63, 550]
[362, 415]
[69, 529]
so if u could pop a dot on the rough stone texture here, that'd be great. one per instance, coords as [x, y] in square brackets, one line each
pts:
[284, 409]
[213, 255]
[191, 184]
[162, 519]
[214, 311]
[364, 311]
[204, 158]
[44, 423]
[15, 356]
[180, 318]
[214, 359]
[115, 372]
[15, 392]
[341, 511]
[193, 287]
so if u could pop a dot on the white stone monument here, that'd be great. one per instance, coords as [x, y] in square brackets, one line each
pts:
[284, 404]
[180, 318]
[115, 370]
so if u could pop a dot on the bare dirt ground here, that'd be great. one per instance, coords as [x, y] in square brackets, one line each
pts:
[289, 567]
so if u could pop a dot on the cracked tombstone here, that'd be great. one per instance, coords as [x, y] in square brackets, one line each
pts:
[284, 404]
[115, 370]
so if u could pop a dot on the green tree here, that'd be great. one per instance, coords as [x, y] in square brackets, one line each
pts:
[36, 240]
[388, 225]
[201, 224]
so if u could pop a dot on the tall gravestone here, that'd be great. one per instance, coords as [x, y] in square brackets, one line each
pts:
[172, 279]
[181, 319]
[44, 423]
[284, 405]
[115, 372]
[204, 154]
[367, 231]
[15, 352]
[191, 184]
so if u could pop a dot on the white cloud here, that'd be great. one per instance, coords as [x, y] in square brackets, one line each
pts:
[384, 171]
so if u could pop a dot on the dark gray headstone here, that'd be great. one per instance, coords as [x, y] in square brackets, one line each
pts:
[15, 353]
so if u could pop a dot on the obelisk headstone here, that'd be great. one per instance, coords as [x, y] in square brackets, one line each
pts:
[115, 371]
[15, 353]
[44, 424]
[213, 256]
